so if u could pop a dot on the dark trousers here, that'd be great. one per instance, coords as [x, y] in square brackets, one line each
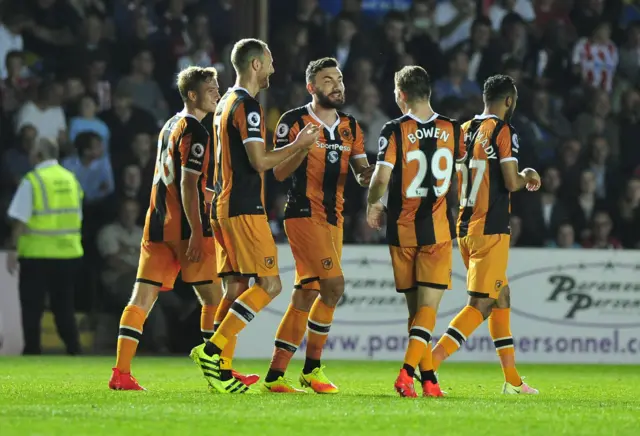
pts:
[57, 278]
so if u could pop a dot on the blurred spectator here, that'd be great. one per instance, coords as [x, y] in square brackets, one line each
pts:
[500, 8]
[346, 47]
[45, 113]
[600, 165]
[549, 11]
[15, 87]
[629, 66]
[598, 120]
[630, 131]
[456, 83]
[11, 27]
[15, 161]
[549, 61]
[144, 156]
[124, 121]
[454, 19]
[565, 237]
[570, 167]
[585, 205]
[422, 20]
[484, 55]
[543, 211]
[595, 58]
[601, 236]
[371, 118]
[549, 124]
[628, 212]
[143, 88]
[87, 121]
[91, 167]
[513, 38]
[119, 246]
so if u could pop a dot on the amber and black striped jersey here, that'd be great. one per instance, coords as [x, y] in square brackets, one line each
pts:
[317, 185]
[237, 186]
[421, 154]
[183, 145]
[485, 202]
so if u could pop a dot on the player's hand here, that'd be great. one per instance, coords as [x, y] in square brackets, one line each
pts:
[532, 179]
[308, 136]
[375, 213]
[12, 262]
[194, 251]
[365, 176]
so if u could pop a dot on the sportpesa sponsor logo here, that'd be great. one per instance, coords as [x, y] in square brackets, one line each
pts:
[336, 147]
[602, 294]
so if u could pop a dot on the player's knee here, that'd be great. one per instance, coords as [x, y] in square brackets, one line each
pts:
[504, 299]
[272, 285]
[331, 290]
[209, 294]
[303, 299]
[483, 305]
[144, 295]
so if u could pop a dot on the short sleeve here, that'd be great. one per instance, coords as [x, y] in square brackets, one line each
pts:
[194, 147]
[358, 144]
[286, 131]
[508, 144]
[249, 120]
[387, 146]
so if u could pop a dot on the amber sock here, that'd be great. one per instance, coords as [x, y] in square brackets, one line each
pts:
[318, 325]
[241, 312]
[129, 335]
[500, 329]
[207, 316]
[459, 330]
[420, 339]
[288, 338]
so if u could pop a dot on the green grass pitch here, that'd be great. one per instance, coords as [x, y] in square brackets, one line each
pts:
[69, 396]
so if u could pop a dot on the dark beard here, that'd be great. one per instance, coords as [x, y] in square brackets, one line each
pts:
[324, 101]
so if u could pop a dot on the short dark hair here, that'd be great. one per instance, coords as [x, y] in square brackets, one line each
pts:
[245, 51]
[318, 65]
[498, 86]
[13, 54]
[85, 140]
[482, 20]
[414, 81]
[190, 79]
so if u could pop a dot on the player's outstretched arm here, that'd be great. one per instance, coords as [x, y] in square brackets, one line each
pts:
[262, 160]
[515, 181]
[508, 148]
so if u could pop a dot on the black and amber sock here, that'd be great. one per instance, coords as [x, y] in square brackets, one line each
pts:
[500, 330]
[207, 316]
[288, 338]
[129, 335]
[241, 312]
[318, 325]
[462, 326]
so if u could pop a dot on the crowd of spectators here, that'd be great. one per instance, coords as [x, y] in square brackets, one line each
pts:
[98, 76]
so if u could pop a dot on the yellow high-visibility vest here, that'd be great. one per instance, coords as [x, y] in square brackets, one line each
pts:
[54, 229]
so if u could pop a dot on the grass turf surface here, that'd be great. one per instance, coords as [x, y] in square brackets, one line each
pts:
[69, 396]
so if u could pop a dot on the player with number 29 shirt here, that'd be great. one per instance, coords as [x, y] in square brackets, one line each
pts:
[416, 163]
